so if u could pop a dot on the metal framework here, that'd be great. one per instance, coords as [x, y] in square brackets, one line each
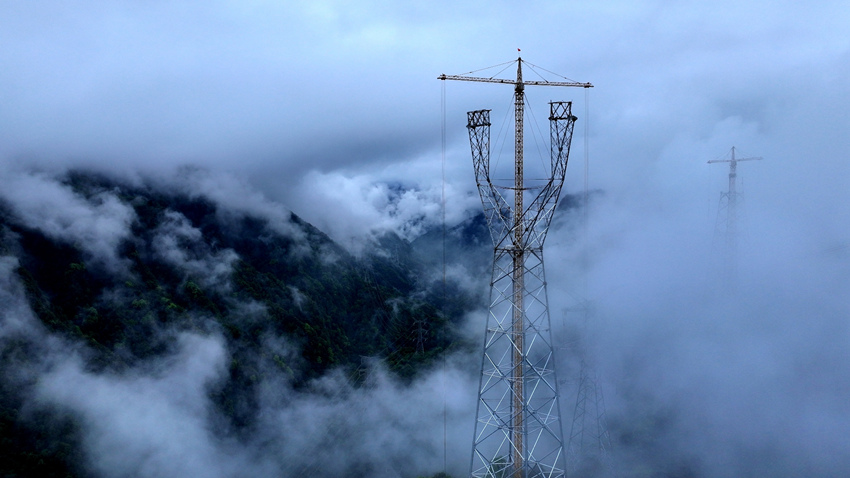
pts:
[518, 430]
[589, 444]
[729, 202]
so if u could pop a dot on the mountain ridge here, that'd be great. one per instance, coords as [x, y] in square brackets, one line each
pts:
[186, 264]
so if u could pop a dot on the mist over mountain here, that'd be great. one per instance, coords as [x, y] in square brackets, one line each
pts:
[221, 251]
[186, 325]
[131, 308]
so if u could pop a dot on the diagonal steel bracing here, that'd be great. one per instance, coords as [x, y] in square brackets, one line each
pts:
[518, 431]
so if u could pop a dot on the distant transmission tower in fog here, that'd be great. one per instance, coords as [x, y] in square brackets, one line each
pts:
[726, 226]
[518, 430]
[589, 443]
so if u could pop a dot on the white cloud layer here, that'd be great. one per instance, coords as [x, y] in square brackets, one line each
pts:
[176, 242]
[97, 224]
[157, 418]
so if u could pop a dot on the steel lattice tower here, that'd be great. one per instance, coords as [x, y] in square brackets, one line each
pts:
[589, 450]
[589, 444]
[518, 430]
[729, 224]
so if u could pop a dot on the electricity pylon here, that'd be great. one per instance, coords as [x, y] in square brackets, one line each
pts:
[518, 429]
[589, 444]
[728, 226]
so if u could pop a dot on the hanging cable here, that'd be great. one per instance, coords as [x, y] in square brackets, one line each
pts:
[537, 135]
[443, 221]
[509, 63]
[586, 197]
[532, 66]
[502, 138]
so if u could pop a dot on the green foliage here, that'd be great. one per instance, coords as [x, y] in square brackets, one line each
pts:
[335, 308]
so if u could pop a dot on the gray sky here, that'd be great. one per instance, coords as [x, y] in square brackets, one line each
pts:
[279, 90]
[329, 106]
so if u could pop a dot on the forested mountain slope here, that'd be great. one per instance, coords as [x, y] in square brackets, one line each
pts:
[118, 274]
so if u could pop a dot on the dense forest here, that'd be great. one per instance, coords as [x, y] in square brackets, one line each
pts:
[189, 265]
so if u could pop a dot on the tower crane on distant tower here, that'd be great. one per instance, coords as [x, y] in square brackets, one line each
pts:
[731, 196]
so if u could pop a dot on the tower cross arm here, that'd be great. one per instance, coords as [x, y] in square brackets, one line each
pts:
[513, 82]
[754, 158]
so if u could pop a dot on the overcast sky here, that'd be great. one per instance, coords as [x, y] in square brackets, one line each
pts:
[329, 106]
[297, 95]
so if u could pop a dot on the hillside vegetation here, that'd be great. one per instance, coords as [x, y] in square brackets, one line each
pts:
[191, 265]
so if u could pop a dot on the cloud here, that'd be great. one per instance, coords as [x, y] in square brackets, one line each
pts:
[98, 224]
[351, 207]
[333, 110]
[157, 417]
[178, 244]
[722, 367]
[383, 429]
[158, 420]
[231, 193]
[150, 422]
[15, 314]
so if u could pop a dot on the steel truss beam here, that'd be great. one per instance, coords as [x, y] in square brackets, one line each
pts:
[518, 430]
